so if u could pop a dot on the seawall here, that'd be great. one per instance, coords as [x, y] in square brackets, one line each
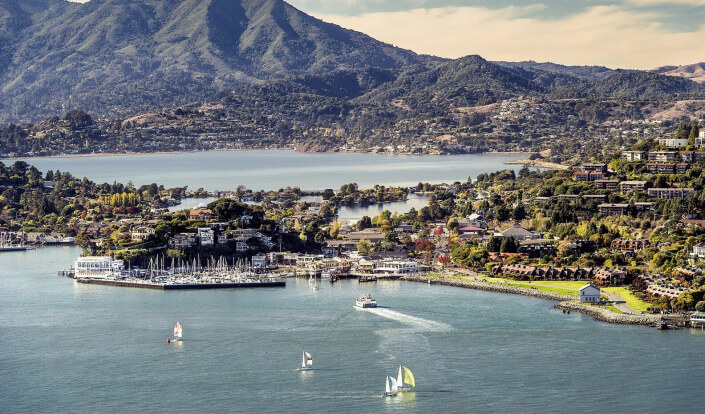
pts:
[185, 286]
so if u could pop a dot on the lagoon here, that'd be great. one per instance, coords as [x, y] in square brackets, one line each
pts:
[274, 169]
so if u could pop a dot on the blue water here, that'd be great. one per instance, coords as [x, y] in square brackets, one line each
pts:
[271, 170]
[68, 347]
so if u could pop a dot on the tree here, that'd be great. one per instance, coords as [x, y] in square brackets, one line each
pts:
[364, 247]
[700, 306]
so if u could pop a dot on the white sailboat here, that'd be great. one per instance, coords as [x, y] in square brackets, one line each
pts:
[306, 362]
[178, 331]
[390, 387]
[405, 377]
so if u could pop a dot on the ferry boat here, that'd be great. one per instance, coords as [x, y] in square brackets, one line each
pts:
[365, 302]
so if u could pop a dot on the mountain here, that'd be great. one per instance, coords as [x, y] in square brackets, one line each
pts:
[130, 55]
[582, 72]
[694, 72]
[645, 85]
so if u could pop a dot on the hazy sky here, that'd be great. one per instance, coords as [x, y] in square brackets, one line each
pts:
[638, 34]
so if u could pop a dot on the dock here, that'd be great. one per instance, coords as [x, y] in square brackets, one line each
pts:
[181, 286]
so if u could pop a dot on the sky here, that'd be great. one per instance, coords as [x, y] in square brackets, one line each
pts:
[635, 34]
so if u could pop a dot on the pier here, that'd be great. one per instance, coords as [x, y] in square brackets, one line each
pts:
[181, 286]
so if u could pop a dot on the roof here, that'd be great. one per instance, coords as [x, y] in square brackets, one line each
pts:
[589, 285]
[470, 228]
[517, 231]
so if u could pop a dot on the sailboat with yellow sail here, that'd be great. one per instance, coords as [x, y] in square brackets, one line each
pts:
[405, 379]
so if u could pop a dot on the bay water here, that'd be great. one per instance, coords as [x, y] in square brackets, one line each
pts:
[69, 347]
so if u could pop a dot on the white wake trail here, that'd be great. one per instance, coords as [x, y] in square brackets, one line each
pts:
[420, 324]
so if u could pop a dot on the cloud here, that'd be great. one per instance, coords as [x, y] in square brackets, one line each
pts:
[614, 36]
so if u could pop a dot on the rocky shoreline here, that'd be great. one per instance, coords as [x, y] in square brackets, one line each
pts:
[565, 302]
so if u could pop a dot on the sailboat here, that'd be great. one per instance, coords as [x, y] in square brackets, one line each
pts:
[405, 377]
[306, 362]
[178, 330]
[390, 387]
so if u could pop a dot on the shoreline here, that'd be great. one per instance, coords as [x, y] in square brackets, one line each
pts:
[565, 302]
[539, 164]
[127, 154]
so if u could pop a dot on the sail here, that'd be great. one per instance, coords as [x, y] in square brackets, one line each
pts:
[177, 330]
[394, 383]
[409, 377]
[303, 360]
[400, 378]
[386, 385]
[309, 359]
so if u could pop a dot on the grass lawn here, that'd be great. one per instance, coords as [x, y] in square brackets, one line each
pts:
[633, 302]
[570, 288]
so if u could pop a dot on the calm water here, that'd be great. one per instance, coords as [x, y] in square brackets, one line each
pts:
[86, 349]
[271, 170]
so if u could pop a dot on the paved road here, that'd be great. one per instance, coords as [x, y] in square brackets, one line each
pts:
[621, 306]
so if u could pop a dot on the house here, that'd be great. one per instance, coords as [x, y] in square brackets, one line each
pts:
[673, 142]
[606, 184]
[669, 193]
[628, 247]
[259, 260]
[628, 186]
[692, 156]
[642, 206]
[634, 155]
[698, 251]
[241, 246]
[519, 233]
[604, 277]
[589, 294]
[200, 214]
[404, 228]
[595, 197]
[700, 139]
[141, 233]
[206, 236]
[330, 251]
[610, 209]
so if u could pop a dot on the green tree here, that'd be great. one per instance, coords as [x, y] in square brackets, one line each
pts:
[364, 247]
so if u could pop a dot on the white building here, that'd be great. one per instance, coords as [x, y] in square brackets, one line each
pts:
[673, 142]
[698, 251]
[700, 140]
[397, 267]
[206, 236]
[97, 267]
[589, 294]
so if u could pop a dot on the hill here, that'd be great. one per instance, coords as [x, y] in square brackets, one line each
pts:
[694, 72]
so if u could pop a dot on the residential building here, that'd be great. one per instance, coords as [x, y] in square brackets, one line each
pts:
[182, 241]
[200, 214]
[669, 193]
[628, 246]
[663, 156]
[698, 251]
[241, 246]
[519, 233]
[692, 156]
[700, 139]
[594, 167]
[634, 155]
[673, 142]
[537, 247]
[141, 233]
[610, 209]
[206, 236]
[661, 168]
[606, 184]
[589, 294]
[628, 186]
[588, 175]
[642, 206]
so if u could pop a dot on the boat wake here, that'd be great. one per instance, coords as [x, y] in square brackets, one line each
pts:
[417, 323]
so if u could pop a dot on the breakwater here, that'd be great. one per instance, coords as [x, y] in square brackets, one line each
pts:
[606, 315]
[566, 302]
[181, 286]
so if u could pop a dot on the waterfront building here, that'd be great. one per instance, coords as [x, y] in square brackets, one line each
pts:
[97, 267]
[589, 294]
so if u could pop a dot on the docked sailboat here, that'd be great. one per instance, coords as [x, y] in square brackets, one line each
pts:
[178, 332]
[405, 378]
[306, 362]
[390, 387]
